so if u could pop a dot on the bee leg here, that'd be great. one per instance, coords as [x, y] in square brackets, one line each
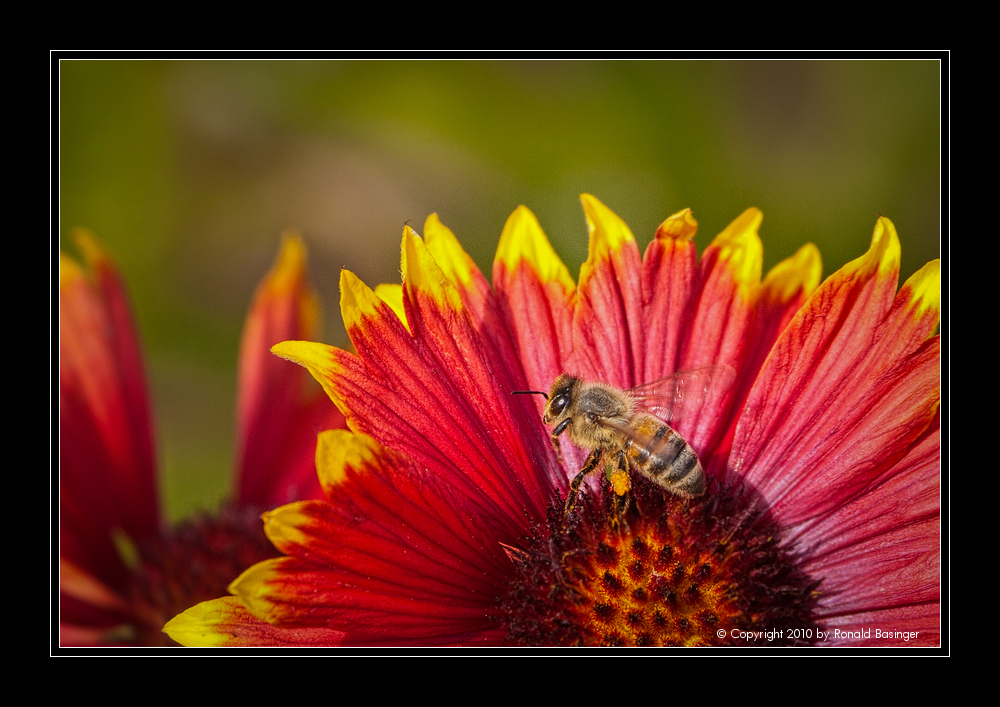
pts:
[621, 487]
[555, 446]
[622, 504]
[559, 429]
[574, 486]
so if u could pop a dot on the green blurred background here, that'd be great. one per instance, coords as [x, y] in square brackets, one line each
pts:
[189, 171]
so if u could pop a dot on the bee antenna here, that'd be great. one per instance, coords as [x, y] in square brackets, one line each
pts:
[530, 392]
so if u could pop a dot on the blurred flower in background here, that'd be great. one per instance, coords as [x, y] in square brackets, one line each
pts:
[123, 572]
[187, 169]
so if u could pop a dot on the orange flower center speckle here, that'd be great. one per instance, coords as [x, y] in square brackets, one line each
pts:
[665, 572]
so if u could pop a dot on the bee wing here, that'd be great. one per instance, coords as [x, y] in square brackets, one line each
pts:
[685, 392]
[640, 438]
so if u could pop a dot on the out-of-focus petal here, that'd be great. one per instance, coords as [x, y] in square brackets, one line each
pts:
[107, 481]
[89, 609]
[279, 409]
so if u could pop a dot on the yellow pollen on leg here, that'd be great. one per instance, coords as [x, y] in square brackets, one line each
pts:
[620, 482]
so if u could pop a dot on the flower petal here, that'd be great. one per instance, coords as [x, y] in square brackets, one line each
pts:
[782, 293]
[227, 623]
[850, 384]
[537, 298]
[669, 278]
[89, 610]
[395, 556]
[608, 327]
[481, 305]
[392, 295]
[720, 320]
[731, 268]
[536, 295]
[879, 555]
[455, 264]
[413, 390]
[279, 409]
[107, 481]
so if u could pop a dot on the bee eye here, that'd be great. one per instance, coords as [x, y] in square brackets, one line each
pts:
[559, 404]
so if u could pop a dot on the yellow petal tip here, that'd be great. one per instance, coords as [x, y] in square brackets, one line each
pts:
[283, 525]
[290, 265]
[925, 289]
[392, 295]
[524, 240]
[251, 586]
[357, 300]
[607, 230]
[305, 353]
[883, 254]
[740, 247]
[447, 252]
[422, 274]
[681, 226]
[288, 280]
[800, 273]
[69, 270]
[200, 625]
[90, 248]
[338, 449]
[95, 257]
[316, 358]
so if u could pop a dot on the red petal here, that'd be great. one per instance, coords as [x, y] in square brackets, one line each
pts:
[880, 555]
[669, 278]
[280, 409]
[536, 295]
[227, 623]
[844, 393]
[396, 556]
[107, 479]
[483, 308]
[608, 327]
[779, 297]
[720, 319]
[434, 395]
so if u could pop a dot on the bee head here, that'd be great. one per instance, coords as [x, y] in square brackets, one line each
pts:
[560, 396]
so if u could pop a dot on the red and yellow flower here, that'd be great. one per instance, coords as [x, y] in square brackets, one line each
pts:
[443, 518]
[122, 573]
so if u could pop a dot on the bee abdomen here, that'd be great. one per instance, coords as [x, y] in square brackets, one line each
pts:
[670, 462]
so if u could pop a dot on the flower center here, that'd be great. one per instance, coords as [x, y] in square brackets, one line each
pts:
[192, 563]
[663, 572]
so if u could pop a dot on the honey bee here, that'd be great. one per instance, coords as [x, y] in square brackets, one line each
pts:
[620, 427]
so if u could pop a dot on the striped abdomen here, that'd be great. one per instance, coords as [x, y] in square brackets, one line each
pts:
[663, 456]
